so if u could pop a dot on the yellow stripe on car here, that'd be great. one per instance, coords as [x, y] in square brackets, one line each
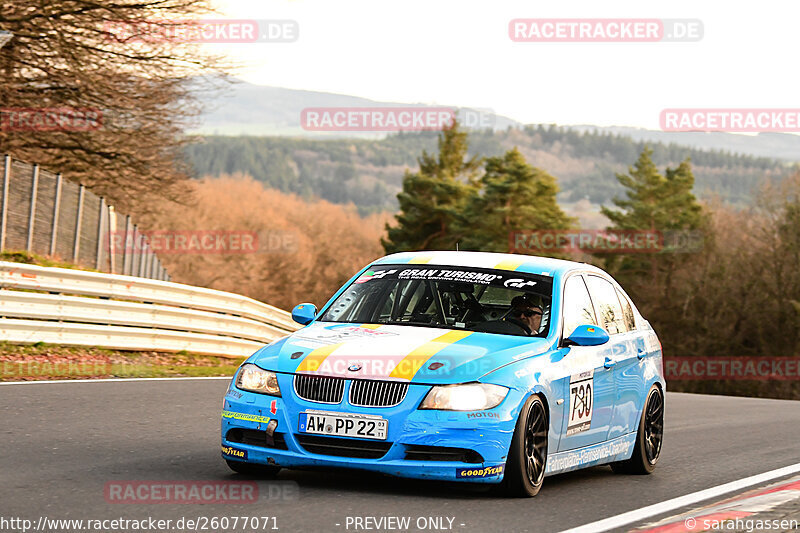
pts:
[313, 360]
[411, 363]
[509, 264]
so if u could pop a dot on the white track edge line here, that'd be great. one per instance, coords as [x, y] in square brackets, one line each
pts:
[650, 511]
[109, 380]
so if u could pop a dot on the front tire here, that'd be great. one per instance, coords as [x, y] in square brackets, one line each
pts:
[527, 456]
[648, 439]
[253, 470]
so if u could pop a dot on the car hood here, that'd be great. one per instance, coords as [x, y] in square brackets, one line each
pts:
[411, 353]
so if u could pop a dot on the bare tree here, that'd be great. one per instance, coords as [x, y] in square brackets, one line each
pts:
[102, 91]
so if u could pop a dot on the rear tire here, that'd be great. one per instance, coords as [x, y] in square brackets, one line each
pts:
[527, 456]
[648, 439]
[253, 470]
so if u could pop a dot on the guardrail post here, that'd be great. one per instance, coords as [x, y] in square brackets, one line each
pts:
[76, 243]
[32, 213]
[56, 207]
[112, 239]
[100, 219]
[126, 245]
[146, 263]
[134, 249]
[145, 258]
[153, 263]
[4, 207]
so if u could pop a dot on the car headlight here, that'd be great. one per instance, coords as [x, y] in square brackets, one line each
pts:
[254, 379]
[465, 397]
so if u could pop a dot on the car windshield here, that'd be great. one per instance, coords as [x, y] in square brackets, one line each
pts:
[472, 299]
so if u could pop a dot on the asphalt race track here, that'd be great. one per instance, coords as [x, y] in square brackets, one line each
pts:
[62, 442]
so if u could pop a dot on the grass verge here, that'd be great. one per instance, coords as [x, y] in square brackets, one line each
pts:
[28, 258]
[49, 362]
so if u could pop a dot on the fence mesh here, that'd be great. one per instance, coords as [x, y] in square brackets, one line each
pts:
[34, 209]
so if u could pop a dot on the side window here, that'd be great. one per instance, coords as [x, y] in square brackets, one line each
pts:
[627, 312]
[578, 308]
[609, 311]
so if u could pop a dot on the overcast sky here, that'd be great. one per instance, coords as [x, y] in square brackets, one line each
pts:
[458, 52]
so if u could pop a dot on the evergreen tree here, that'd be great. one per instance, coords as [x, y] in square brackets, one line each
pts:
[515, 196]
[655, 201]
[433, 197]
[660, 203]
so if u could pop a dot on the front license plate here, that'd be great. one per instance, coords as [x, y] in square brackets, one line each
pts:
[341, 425]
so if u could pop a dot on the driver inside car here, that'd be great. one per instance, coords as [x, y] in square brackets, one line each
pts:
[525, 314]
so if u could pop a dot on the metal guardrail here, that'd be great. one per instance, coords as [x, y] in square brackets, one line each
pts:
[76, 307]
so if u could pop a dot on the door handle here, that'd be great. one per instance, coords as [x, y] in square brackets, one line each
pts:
[609, 363]
[641, 354]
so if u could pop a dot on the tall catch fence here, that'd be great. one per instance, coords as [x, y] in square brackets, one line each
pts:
[43, 213]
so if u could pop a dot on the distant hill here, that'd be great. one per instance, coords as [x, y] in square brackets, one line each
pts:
[782, 146]
[247, 109]
[368, 172]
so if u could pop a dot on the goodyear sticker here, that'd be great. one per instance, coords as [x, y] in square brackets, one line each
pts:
[230, 451]
[489, 471]
[245, 416]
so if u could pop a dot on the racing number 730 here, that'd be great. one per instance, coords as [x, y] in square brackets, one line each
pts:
[581, 400]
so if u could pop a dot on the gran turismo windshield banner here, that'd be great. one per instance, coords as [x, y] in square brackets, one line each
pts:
[498, 278]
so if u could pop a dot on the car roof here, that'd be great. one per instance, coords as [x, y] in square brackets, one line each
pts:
[532, 264]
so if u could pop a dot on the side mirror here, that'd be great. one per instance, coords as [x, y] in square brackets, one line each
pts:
[304, 313]
[587, 335]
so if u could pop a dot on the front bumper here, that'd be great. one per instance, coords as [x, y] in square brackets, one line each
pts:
[422, 444]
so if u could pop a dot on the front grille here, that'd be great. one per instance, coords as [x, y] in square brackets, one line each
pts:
[418, 452]
[319, 389]
[369, 393]
[361, 449]
[255, 437]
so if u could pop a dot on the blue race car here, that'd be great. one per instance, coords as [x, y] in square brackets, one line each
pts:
[459, 366]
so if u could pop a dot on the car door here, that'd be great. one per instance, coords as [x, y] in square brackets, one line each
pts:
[630, 373]
[588, 386]
[622, 362]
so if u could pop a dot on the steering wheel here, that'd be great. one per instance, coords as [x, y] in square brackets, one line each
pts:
[516, 322]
